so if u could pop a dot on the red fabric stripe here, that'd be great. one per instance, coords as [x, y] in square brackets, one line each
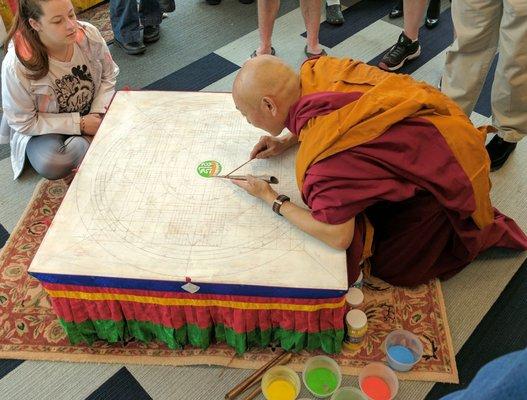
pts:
[174, 295]
[73, 310]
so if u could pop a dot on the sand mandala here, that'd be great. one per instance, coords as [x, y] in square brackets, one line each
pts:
[208, 169]
[140, 206]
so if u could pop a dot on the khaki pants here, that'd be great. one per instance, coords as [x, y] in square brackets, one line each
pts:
[484, 27]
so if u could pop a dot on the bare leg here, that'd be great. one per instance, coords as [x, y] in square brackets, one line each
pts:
[267, 12]
[311, 13]
[414, 11]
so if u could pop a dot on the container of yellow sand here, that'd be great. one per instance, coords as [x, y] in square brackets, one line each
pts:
[280, 383]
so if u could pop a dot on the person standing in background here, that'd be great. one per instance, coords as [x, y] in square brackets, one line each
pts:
[134, 26]
[407, 47]
[334, 14]
[432, 12]
[267, 12]
[484, 27]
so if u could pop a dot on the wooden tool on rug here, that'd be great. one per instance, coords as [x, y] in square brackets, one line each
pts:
[267, 178]
[282, 359]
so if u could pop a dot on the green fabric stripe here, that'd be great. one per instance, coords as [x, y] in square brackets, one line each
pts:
[89, 331]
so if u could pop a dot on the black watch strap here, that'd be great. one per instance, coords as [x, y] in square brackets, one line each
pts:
[277, 203]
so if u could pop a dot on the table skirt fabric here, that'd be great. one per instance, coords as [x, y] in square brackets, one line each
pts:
[178, 319]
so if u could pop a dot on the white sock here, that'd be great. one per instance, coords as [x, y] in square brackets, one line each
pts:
[413, 40]
[332, 2]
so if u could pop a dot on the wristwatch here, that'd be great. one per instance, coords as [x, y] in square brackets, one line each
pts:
[277, 203]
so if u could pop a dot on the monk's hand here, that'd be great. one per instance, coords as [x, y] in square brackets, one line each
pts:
[257, 188]
[269, 146]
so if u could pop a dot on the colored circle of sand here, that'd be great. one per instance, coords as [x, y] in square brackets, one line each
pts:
[209, 168]
[280, 389]
[376, 388]
[401, 354]
[321, 381]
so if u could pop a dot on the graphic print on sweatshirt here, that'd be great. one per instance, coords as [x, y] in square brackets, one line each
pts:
[75, 91]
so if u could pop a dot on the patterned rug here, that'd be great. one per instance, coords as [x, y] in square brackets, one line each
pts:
[29, 329]
[100, 17]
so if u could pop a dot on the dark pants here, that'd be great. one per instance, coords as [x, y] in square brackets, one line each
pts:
[128, 18]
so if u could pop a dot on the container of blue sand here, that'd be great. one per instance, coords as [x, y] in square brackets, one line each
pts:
[403, 350]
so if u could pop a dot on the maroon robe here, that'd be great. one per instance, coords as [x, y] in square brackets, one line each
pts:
[412, 189]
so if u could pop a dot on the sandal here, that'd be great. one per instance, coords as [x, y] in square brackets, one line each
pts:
[313, 55]
[334, 14]
[273, 53]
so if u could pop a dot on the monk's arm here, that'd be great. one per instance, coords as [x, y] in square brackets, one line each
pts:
[337, 236]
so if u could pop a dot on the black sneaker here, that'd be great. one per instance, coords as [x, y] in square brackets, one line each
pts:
[402, 51]
[133, 48]
[151, 34]
[499, 150]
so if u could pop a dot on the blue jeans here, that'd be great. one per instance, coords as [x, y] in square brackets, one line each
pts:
[55, 156]
[128, 19]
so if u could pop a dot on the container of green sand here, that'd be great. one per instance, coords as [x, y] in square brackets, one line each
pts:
[322, 376]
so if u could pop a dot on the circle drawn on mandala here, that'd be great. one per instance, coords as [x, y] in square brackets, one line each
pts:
[115, 229]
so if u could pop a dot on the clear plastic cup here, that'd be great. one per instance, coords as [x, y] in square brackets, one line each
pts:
[355, 298]
[326, 363]
[379, 370]
[276, 374]
[348, 393]
[410, 342]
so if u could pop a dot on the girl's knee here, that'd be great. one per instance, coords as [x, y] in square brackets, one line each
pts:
[51, 170]
[54, 161]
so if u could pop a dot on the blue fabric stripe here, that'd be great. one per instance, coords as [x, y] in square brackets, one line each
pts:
[358, 17]
[122, 385]
[196, 76]
[6, 366]
[433, 42]
[4, 235]
[205, 288]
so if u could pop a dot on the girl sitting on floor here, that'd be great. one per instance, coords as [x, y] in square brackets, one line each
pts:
[58, 78]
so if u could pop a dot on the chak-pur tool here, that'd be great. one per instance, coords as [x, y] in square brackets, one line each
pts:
[236, 169]
[267, 178]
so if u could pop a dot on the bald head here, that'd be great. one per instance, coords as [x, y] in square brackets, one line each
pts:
[264, 90]
[262, 76]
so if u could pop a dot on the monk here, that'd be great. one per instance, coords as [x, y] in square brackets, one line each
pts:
[390, 168]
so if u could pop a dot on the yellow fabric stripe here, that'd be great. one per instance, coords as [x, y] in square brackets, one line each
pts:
[193, 302]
